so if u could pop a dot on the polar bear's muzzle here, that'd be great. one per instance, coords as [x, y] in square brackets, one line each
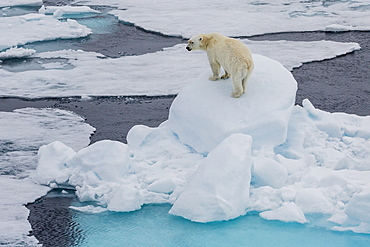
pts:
[188, 48]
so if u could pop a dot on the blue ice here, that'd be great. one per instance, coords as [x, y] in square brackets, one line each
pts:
[153, 226]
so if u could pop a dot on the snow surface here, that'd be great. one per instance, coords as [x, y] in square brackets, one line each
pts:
[241, 18]
[16, 52]
[20, 30]
[11, 3]
[14, 226]
[210, 194]
[23, 131]
[322, 164]
[127, 76]
[256, 114]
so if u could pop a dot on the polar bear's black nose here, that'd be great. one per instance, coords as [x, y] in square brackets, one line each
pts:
[188, 48]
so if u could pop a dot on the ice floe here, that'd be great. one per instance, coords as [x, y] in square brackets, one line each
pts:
[161, 73]
[22, 132]
[20, 30]
[242, 18]
[16, 52]
[10, 3]
[314, 163]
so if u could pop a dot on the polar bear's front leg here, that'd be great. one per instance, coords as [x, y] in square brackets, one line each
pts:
[215, 70]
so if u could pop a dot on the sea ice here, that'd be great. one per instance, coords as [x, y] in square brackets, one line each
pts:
[108, 160]
[263, 112]
[9, 3]
[16, 52]
[14, 226]
[267, 171]
[34, 128]
[125, 76]
[219, 189]
[288, 212]
[314, 162]
[22, 133]
[241, 18]
[20, 30]
[68, 11]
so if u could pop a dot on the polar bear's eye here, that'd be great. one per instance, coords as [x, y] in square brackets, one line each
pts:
[200, 39]
[192, 42]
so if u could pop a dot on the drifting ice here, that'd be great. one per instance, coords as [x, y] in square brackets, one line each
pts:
[217, 157]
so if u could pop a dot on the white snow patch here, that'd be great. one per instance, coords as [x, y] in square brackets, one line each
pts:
[14, 226]
[288, 212]
[241, 18]
[16, 52]
[90, 209]
[219, 189]
[20, 30]
[10, 3]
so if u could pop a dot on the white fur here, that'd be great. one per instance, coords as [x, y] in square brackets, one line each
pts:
[231, 54]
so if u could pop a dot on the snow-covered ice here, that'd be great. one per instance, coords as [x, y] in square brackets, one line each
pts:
[219, 189]
[20, 30]
[127, 76]
[242, 18]
[256, 114]
[316, 162]
[14, 226]
[16, 52]
[33, 128]
[22, 133]
[10, 3]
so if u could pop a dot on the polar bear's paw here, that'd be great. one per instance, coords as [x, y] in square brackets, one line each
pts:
[225, 76]
[214, 78]
[236, 94]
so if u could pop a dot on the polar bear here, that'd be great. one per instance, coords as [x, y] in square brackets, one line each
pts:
[231, 54]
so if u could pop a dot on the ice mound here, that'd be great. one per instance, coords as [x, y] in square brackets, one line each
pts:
[203, 114]
[219, 190]
[16, 52]
[218, 157]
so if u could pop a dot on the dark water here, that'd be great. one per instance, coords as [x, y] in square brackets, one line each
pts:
[51, 219]
[110, 36]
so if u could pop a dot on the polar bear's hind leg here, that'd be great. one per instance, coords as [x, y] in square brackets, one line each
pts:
[238, 86]
[245, 80]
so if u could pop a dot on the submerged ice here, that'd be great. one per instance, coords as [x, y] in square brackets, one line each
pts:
[217, 158]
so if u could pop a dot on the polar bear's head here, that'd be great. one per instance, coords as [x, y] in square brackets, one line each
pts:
[195, 43]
